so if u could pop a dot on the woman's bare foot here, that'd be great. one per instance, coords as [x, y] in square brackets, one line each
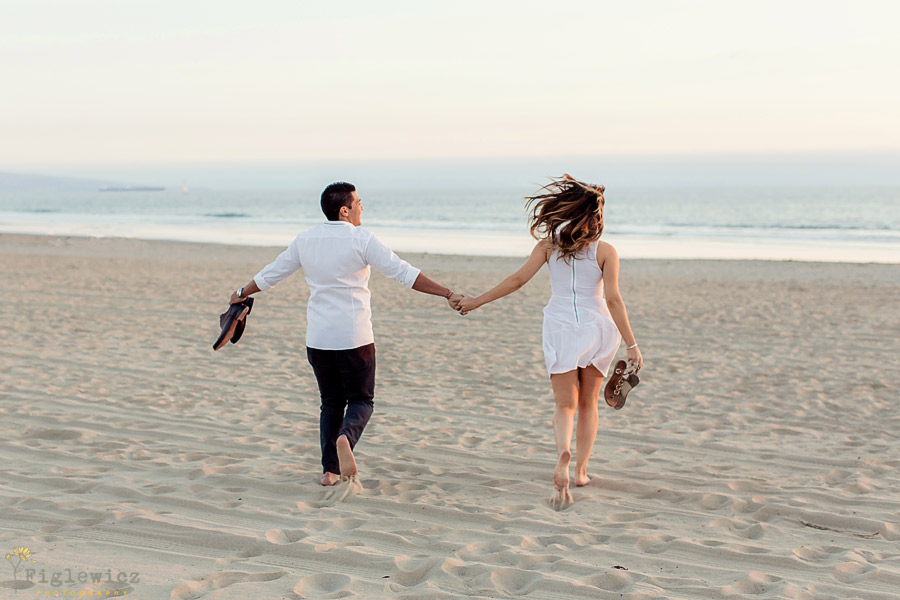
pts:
[561, 472]
[561, 499]
[345, 459]
[581, 477]
[330, 478]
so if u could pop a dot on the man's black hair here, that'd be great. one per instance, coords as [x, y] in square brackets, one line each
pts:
[335, 196]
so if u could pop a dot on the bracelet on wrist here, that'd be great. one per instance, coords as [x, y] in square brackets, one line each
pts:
[240, 292]
[448, 294]
[631, 347]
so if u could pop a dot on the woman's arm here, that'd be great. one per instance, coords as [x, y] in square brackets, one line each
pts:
[512, 283]
[608, 259]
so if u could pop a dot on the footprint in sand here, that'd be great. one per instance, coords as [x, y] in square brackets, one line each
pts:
[414, 570]
[836, 476]
[740, 528]
[321, 585]
[515, 582]
[256, 549]
[609, 582]
[589, 539]
[653, 544]
[743, 485]
[216, 581]
[157, 490]
[810, 554]
[347, 524]
[712, 501]
[849, 572]
[339, 524]
[199, 488]
[528, 562]
[53, 434]
[628, 517]
[476, 550]
[462, 570]
[755, 583]
[283, 537]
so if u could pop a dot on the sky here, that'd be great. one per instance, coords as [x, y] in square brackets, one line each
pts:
[149, 82]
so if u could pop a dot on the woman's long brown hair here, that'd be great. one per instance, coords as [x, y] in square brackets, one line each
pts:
[568, 214]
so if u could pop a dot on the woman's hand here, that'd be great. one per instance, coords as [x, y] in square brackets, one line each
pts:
[453, 300]
[635, 358]
[468, 304]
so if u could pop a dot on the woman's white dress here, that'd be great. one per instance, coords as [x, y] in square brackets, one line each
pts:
[578, 329]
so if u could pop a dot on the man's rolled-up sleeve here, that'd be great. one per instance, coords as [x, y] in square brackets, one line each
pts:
[389, 264]
[286, 264]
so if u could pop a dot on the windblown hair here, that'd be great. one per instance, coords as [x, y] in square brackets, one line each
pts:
[568, 214]
[336, 196]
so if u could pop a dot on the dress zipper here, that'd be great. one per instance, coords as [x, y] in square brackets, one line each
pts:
[574, 298]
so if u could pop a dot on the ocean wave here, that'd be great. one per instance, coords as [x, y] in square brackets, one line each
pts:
[850, 234]
[227, 215]
[777, 226]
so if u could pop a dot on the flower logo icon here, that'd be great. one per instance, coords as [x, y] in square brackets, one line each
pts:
[23, 554]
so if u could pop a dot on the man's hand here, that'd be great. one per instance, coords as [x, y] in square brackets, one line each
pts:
[453, 300]
[247, 290]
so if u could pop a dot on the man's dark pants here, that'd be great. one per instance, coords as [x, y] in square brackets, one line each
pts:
[347, 386]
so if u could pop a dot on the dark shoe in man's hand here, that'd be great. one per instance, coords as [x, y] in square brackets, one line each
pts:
[233, 322]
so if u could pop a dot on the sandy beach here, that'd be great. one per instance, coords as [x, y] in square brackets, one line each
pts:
[759, 458]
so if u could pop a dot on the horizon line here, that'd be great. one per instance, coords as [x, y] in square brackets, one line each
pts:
[474, 157]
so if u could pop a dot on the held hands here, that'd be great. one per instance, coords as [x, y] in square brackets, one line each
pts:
[453, 300]
[461, 303]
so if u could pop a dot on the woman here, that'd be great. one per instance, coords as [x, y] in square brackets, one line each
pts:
[582, 329]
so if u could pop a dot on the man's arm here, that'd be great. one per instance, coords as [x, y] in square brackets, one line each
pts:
[390, 265]
[282, 267]
[426, 285]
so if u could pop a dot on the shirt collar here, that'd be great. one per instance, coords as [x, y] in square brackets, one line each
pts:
[340, 223]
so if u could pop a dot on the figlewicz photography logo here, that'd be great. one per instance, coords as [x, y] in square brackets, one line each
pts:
[23, 554]
[47, 581]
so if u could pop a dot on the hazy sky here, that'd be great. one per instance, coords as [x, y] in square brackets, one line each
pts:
[148, 81]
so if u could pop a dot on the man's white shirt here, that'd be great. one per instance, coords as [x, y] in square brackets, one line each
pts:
[336, 257]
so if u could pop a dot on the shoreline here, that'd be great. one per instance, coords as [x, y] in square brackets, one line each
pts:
[401, 250]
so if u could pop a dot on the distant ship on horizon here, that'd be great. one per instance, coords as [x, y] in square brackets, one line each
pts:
[130, 188]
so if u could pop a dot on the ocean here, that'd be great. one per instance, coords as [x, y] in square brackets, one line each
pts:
[835, 224]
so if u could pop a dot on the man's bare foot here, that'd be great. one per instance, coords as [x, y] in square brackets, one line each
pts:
[561, 472]
[581, 478]
[345, 459]
[330, 478]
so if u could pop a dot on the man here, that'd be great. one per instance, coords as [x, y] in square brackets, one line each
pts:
[336, 257]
